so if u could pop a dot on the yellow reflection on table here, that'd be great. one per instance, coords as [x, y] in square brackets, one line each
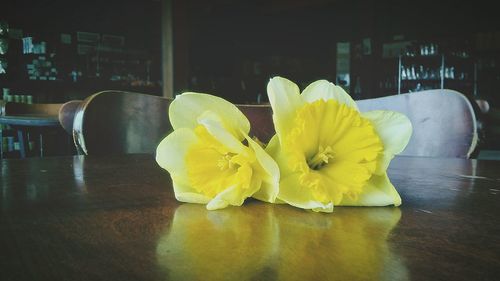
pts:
[230, 244]
[349, 244]
[277, 242]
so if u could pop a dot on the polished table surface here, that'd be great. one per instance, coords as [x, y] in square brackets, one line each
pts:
[115, 218]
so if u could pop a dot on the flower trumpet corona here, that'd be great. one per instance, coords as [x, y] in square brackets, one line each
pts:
[328, 152]
[210, 156]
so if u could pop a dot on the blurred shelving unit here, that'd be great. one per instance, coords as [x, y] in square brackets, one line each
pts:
[437, 71]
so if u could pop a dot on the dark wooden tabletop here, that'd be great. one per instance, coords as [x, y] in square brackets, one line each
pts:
[115, 218]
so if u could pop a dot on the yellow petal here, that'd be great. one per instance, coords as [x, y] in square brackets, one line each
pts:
[170, 153]
[184, 193]
[222, 199]
[233, 195]
[213, 168]
[379, 191]
[214, 125]
[284, 96]
[186, 108]
[323, 89]
[394, 129]
[273, 146]
[270, 174]
[296, 195]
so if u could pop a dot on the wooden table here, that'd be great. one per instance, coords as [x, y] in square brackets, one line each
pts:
[115, 218]
[24, 123]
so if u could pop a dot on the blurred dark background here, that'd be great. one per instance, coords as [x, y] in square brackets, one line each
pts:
[231, 48]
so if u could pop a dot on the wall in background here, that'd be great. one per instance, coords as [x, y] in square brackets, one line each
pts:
[235, 46]
[232, 48]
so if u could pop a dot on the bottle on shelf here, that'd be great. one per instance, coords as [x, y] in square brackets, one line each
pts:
[357, 87]
[9, 147]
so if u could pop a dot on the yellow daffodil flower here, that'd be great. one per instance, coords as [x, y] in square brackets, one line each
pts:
[210, 156]
[328, 152]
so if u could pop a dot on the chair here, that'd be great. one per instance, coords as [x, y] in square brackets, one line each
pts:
[66, 115]
[444, 122]
[26, 119]
[116, 122]
[261, 120]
